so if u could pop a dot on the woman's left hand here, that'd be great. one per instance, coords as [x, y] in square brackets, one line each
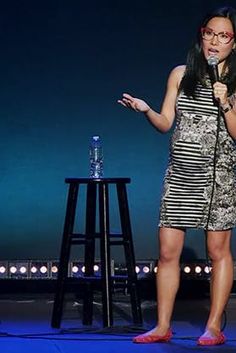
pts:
[220, 92]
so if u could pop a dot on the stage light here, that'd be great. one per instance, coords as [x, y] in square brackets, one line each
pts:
[23, 269]
[198, 269]
[207, 269]
[96, 268]
[144, 268]
[74, 269]
[36, 269]
[33, 269]
[18, 269]
[3, 269]
[53, 269]
[187, 269]
[39, 270]
[43, 269]
[77, 268]
[13, 269]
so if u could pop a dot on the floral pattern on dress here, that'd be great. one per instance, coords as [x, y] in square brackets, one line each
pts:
[218, 164]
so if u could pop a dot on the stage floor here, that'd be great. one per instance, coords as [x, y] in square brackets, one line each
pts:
[25, 326]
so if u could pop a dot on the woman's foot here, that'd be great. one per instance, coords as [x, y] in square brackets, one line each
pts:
[211, 338]
[155, 335]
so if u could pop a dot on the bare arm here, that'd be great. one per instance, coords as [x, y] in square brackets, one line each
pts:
[163, 120]
[228, 104]
[230, 119]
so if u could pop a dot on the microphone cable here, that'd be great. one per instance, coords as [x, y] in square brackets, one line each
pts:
[208, 260]
[214, 165]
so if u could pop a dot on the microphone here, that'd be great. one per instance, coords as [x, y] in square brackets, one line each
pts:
[213, 61]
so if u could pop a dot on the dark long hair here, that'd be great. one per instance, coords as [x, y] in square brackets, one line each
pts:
[196, 65]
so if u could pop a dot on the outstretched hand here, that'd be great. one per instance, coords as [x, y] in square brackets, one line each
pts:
[136, 104]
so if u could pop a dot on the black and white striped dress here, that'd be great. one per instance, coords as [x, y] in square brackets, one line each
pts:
[199, 185]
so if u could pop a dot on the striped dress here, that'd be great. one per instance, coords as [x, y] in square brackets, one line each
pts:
[199, 185]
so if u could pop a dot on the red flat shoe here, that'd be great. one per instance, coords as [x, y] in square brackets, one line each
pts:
[211, 341]
[153, 338]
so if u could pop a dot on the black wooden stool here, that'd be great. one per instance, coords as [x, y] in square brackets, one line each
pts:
[106, 238]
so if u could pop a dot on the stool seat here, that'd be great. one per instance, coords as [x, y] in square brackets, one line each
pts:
[98, 180]
[97, 192]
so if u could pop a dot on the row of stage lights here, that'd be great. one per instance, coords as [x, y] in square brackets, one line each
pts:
[49, 269]
[40, 269]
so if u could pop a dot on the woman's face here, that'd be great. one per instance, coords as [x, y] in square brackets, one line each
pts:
[217, 38]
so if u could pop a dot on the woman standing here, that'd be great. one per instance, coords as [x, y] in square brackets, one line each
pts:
[199, 187]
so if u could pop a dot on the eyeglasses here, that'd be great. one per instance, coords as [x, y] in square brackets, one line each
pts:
[223, 37]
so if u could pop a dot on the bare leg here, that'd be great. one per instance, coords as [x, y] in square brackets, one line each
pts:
[221, 280]
[168, 274]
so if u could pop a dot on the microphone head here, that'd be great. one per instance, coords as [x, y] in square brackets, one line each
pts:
[213, 60]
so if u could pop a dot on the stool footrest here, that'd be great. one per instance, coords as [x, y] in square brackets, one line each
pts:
[81, 239]
[96, 235]
[117, 242]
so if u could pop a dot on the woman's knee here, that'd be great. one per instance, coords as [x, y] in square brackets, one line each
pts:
[168, 255]
[171, 244]
[215, 253]
[219, 245]
[218, 251]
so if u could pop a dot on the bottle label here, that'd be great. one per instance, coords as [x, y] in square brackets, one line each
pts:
[96, 158]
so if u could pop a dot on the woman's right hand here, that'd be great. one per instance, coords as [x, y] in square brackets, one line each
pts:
[136, 104]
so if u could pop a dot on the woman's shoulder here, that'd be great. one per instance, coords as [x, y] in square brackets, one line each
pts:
[179, 70]
[177, 74]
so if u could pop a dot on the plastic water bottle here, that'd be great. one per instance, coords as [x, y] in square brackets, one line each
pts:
[96, 157]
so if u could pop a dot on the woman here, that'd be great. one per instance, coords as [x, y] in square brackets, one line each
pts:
[199, 186]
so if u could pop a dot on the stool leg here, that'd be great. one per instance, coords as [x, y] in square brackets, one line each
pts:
[129, 252]
[89, 256]
[64, 255]
[105, 255]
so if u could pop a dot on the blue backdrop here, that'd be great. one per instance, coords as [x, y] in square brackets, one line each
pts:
[63, 66]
